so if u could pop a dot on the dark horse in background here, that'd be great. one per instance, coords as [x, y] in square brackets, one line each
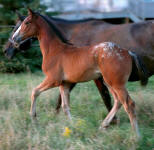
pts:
[137, 37]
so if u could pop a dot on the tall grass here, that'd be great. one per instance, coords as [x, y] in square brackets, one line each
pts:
[19, 132]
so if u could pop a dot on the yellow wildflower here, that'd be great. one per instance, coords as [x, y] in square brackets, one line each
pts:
[67, 132]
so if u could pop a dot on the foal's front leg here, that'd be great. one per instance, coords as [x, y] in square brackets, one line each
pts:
[45, 85]
[65, 94]
[59, 101]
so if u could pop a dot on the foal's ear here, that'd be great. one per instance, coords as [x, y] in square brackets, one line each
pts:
[20, 17]
[30, 12]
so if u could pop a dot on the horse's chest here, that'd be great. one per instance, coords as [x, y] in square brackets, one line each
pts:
[51, 67]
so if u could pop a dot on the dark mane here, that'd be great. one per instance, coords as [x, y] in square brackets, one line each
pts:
[56, 30]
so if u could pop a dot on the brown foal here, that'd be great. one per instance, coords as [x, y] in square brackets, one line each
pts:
[64, 64]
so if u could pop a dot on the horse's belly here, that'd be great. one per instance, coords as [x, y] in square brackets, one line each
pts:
[84, 76]
[87, 76]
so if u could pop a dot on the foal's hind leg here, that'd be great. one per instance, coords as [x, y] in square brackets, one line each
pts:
[36, 92]
[104, 92]
[129, 107]
[113, 111]
[64, 91]
[59, 101]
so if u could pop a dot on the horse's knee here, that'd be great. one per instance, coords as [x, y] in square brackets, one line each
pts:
[131, 106]
[35, 92]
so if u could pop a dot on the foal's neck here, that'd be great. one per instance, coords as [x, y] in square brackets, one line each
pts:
[49, 41]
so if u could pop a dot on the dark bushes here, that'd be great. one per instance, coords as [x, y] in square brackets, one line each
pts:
[22, 62]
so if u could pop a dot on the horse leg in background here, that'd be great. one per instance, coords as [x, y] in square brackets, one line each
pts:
[59, 101]
[129, 106]
[45, 85]
[113, 111]
[104, 92]
[65, 94]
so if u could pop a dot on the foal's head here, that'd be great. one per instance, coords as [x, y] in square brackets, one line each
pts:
[27, 29]
[10, 49]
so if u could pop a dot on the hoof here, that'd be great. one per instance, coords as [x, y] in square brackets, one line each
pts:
[103, 126]
[115, 121]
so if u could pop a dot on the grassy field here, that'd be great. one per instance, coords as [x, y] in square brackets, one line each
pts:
[55, 132]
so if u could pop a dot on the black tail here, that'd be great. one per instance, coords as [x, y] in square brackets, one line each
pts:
[142, 70]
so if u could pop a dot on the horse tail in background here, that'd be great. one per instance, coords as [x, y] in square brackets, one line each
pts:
[142, 70]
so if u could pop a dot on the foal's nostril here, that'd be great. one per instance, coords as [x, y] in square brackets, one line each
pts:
[16, 45]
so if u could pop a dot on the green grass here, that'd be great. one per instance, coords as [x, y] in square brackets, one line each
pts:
[19, 132]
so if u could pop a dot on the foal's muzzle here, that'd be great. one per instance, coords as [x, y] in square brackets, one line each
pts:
[10, 52]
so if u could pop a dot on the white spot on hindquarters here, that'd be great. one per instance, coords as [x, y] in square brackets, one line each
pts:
[110, 49]
[109, 54]
[105, 45]
[17, 32]
[119, 55]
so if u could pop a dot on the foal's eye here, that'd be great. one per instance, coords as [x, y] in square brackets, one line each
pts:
[27, 23]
